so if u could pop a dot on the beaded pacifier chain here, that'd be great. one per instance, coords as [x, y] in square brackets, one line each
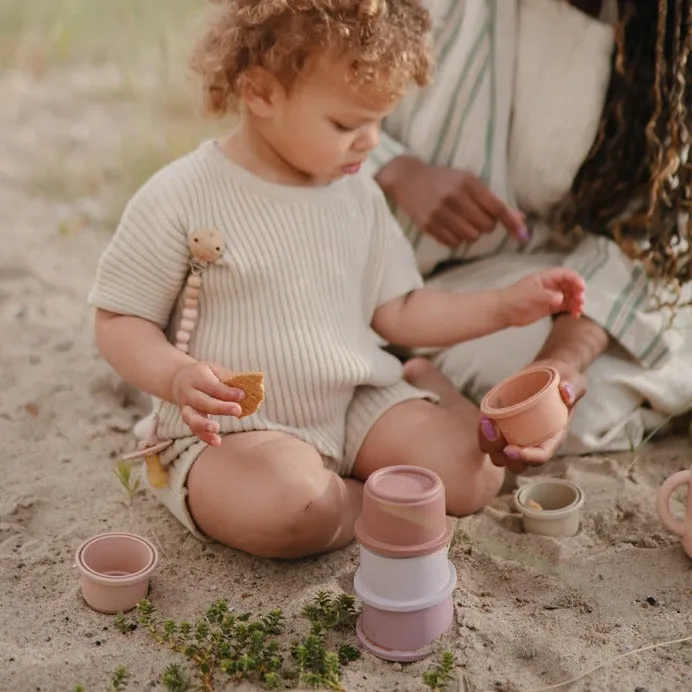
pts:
[206, 245]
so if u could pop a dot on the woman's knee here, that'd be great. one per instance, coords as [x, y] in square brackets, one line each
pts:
[467, 493]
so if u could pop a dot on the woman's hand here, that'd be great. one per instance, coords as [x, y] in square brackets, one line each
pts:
[199, 392]
[516, 459]
[452, 206]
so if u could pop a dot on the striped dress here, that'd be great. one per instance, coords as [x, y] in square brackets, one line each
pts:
[464, 120]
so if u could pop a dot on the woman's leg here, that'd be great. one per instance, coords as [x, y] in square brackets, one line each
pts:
[269, 494]
[439, 437]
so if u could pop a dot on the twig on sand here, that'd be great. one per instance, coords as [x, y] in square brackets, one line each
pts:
[613, 660]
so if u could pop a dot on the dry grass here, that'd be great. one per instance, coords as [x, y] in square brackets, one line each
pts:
[37, 34]
[132, 58]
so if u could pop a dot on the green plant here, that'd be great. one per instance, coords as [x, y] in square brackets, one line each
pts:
[441, 673]
[122, 624]
[348, 653]
[176, 679]
[331, 613]
[124, 471]
[317, 666]
[119, 679]
[244, 649]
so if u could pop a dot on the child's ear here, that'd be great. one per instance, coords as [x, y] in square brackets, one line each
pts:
[261, 92]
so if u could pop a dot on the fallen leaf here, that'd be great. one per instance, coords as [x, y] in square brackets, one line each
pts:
[31, 409]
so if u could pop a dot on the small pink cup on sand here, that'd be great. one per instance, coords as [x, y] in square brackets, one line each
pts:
[527, 407]
[114, 570]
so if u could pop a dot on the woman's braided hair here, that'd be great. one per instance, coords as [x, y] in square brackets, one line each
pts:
[388, 41]
[636, 184]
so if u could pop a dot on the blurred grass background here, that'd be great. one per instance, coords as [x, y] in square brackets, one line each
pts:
[40, 33]
[125, 56]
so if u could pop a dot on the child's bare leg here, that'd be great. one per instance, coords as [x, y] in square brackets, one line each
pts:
[269, 494]
[441, 437]
[422, 373]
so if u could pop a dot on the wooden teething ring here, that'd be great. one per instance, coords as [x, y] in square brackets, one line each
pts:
[206, 245]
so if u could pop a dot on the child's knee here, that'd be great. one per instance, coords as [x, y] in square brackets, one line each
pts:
[302, 526]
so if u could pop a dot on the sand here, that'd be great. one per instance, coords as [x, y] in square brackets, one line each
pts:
[530, 611]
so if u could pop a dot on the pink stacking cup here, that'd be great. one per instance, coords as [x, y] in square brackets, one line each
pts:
[115, 569]
[396, 630]
[404, 513]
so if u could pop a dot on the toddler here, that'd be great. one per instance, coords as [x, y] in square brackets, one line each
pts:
[310, 272]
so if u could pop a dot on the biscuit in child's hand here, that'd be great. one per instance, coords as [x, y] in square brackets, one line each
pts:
[252, 383]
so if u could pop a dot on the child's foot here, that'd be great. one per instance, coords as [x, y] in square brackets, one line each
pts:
[421, 373]
[142, 427]
[416, 368]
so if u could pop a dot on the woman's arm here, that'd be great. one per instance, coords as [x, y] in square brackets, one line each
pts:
[388, 150]
[577, 343]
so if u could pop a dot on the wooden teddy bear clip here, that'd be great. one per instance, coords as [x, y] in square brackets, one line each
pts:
[206, 245]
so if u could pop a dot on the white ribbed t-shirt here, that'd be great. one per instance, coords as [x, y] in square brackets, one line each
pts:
[293, 295]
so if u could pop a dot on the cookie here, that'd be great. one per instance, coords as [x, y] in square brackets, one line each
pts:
[532, 504]
[252, 383]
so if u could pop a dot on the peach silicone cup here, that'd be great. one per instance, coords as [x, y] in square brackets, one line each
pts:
[115, 569]
[403, 636]
[527, 407]
[403, 513]
[665, 492]
[410, 580]
[560, 501]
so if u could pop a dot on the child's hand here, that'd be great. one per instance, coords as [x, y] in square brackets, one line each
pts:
[199, 392]
[542, 294]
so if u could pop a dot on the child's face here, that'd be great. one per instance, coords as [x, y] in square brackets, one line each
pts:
[325, 127]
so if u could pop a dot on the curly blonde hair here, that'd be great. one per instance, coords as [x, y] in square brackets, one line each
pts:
[388, 39]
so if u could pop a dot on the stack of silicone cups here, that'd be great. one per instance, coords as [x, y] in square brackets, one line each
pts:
[405, 580]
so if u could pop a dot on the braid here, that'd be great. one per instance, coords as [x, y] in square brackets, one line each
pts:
[636, 184]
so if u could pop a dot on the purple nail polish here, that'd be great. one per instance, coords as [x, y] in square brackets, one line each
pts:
[489, 431]
[513, 454]
[524, 235]
[570, 391]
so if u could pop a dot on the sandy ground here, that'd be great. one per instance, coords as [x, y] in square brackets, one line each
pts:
[529, 611]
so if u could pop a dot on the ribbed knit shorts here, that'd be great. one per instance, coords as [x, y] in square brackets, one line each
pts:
[367, 405]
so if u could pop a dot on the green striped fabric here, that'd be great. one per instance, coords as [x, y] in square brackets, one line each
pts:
[463, 120]
[619, 299]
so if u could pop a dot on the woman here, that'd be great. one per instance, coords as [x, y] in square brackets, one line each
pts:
[595, 159]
